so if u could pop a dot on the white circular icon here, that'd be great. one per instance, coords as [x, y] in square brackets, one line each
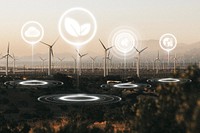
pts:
[32, 32]
[123, 41]
[77, 26]
[168, 42]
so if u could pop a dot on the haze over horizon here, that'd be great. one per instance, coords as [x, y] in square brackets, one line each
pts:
[149, 19]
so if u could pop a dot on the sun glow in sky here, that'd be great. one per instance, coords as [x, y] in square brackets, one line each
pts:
[150, 18]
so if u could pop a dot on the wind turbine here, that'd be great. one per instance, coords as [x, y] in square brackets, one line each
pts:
[50, 53]
[6, 56]
[105, 54]
[147, 64]
[109, 63]
[43, 60]
[61, 60]
[14, 60]
[175, 60]
[156, 62]
[75, 63]
[93, 61]
[138, 63]
[80, 59]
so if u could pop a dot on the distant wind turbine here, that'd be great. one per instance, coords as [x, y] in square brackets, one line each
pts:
[50, 53]
[61, 60]
[80, 59]
[93, 62]
[157, 62]
[7, 57]
[105, 54]
[147, 64]
[43, 60]
[138, 63]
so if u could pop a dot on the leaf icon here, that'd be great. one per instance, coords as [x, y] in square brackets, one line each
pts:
[85, 28]
[72, 27]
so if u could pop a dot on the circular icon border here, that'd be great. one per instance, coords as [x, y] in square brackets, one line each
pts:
[22, 33]
[112, 39]
[60, 27]
[163, 36]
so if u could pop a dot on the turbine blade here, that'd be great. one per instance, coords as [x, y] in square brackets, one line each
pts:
[102, 44]
[8, 50]
[84, 54]
[55, 41]
[143, 49]
[57, 58]
[3, 56]
[136, 49]
[45, 43]
[40, 58]
[10, 56]
[109, 48]
[78, 53]
[52, 52]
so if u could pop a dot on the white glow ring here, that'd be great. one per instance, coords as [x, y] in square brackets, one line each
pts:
[77, 98]
[169, 80]
[126, 85]
[33, 82]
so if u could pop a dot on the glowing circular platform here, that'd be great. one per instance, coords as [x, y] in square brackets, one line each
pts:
[34, 83]
[79, 99]
[169, 80]
[131, 85]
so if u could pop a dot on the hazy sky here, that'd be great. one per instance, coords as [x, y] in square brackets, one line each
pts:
[149, 18]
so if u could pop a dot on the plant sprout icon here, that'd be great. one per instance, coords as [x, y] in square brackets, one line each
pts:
[75, 29]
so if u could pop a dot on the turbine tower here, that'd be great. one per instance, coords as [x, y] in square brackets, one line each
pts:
[138, 61]
[105, 54]
[93, 61]
[7, 57]
[175, 60]
[14, 60]
[75, 64]
[43, 60]
[80, 59]
[109, 62]
[157, 62]
[61, 60]
[50, 53]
